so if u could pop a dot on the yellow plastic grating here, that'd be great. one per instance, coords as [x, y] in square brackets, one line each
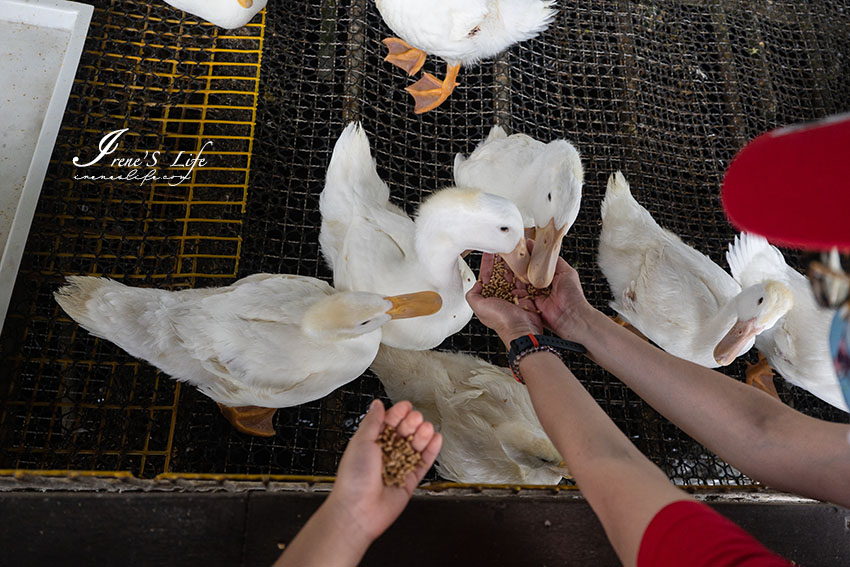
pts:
[175, 85]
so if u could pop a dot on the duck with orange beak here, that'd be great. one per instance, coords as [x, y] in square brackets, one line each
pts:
[265, 342]
[544, 181]
[374, 246]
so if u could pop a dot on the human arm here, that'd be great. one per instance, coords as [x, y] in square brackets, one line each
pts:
[360, 508]
[765, 439]
[622, 486]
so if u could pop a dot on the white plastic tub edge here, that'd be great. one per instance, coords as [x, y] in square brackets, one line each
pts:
[74, 17]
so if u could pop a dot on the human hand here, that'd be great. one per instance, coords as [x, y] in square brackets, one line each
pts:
[359, 492]
[565, 310]
[509, 320]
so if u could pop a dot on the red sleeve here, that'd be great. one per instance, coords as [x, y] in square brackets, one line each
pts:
[690, 533]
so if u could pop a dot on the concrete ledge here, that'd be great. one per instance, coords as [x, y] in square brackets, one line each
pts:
[248, 527]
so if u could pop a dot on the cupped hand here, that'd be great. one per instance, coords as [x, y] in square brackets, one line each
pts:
[510, 320]
[565, 309]
[359, 490]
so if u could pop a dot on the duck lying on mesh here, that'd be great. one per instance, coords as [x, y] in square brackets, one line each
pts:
[490, 431]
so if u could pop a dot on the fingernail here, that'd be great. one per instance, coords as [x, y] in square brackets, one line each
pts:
[374, 404]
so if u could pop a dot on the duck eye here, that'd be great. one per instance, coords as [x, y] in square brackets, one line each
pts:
[366, 322]
[504, 229]
[549, 196]
[761, 300]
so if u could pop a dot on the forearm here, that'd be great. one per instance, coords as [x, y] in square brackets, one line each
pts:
[755, 433]
[622, 486]
[329, 539]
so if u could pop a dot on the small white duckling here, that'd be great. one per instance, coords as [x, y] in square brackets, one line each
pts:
[461, 33]
[676, 296]
[267, 341]
[797, 346]
[490, 431]
[372, 245]
[543, 180]
[227, 14]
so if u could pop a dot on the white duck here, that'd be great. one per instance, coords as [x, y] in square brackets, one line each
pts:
[676, 296]
[461, 33]
[227, 14]
[372, 245]
[265, 342]
[798, 345]
[490, 431]
[543, 180]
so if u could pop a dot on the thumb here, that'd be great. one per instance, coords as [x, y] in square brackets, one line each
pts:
[372, 424]
[474, 294]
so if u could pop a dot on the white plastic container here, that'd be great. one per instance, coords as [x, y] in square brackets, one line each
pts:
[40, 46]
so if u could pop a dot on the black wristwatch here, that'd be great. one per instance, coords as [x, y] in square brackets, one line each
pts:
[527, 344]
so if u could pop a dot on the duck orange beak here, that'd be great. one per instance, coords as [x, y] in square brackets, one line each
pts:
[730, 346]
[517, 260]
[416, 304]
[544, 256]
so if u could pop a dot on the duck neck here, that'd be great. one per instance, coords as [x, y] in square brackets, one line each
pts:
[437, 256]
[723, 320]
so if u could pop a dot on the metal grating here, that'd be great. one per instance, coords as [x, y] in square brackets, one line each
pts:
[666, 91]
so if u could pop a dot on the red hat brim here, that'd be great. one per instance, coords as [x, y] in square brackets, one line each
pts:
[792, 185]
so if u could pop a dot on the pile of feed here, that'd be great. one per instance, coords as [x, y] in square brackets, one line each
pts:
[399, 456]
[500, 287]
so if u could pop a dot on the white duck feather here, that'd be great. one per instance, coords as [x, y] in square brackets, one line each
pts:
[227, 14]
[544, 181]
[490, 431]
[371, 245]
[468, 31]
[675, 295]
[797, 346]
[267, 340]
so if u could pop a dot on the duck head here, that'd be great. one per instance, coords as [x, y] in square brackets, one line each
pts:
[759, 307]
[557, 199]
[458, 219]
[351, 313]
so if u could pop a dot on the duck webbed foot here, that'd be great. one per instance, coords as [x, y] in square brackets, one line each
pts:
[761, 376]
[250, 420]
[429, 92]
[402, 54]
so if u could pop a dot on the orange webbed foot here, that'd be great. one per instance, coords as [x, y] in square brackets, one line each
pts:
[760, 375]
[429, 92]
[402, 54]
[250, 420]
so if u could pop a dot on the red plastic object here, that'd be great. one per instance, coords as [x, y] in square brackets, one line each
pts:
[792, 185]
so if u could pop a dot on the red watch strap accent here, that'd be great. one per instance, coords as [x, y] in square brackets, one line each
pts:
[533, 340]
[517, 378]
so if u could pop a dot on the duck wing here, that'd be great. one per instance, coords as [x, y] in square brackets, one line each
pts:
[752, 260]
[498, 165]
[244, 337]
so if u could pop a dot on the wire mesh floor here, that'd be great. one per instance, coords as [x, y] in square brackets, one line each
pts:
[665, 91]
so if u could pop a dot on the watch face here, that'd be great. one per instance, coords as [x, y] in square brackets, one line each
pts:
[839, 347]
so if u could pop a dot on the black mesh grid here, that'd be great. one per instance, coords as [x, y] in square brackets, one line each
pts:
[665, 91]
